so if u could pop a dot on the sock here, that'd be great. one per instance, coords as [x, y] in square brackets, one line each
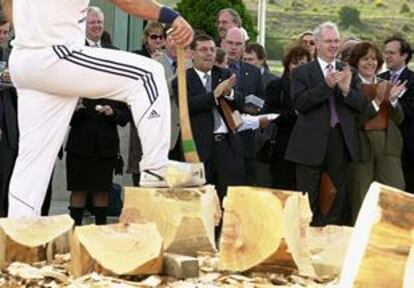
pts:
[77, 214]
[100, 215]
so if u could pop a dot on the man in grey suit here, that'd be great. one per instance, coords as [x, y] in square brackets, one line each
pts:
[327, 97]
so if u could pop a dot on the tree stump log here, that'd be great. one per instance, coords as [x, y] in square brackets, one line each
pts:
[185, 217]
[30, 240]
[267, 227]
[133, 249]
[328, 246]
[380, 253]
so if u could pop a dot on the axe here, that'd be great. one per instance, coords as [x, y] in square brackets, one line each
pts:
[189, 147]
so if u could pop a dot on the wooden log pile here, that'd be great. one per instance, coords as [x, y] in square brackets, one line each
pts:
[266, 242]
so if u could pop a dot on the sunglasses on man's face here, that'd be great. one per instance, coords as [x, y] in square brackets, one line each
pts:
[309, 42]
[155, 37]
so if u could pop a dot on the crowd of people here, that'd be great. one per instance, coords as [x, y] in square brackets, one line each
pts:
[341, 109]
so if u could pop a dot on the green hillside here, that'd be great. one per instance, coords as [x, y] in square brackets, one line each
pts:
[288, 18]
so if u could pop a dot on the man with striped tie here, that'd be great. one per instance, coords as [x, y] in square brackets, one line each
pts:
[51, 66]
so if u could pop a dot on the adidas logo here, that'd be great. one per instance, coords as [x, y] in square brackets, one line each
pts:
[153, 114]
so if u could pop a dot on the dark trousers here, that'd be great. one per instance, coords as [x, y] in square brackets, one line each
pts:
[225, 168]
[284, 174]
[7, 160]
[408, 169]
[335, 164]
[248, 143]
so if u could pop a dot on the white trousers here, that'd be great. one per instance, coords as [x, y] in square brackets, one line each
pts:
[49, 82]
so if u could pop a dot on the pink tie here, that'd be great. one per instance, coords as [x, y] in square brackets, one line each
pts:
[334, 114]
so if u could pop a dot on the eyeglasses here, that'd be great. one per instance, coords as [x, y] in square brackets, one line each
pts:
[155, 37]
[309, 42]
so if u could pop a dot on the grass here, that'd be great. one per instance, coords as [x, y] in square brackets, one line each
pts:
[286, 19]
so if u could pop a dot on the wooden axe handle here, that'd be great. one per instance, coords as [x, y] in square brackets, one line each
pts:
[189, 147]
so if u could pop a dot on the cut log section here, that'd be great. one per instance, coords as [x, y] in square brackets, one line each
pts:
[180, 267]
[31, 240]
[135, 249]
[185, 216]
[265, 226]
[328, 246]
[381, 247]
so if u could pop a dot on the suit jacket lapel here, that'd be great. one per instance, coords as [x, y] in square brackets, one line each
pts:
[195, 79]
[404, 74]
[215, 78]
[167, 66]
[316, 71]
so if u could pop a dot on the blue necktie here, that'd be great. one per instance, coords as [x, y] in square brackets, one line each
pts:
[394, 78]
[174, 66]
[216, 114]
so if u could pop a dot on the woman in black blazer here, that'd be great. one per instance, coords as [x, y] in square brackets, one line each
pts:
[278, 101]
[92, 152]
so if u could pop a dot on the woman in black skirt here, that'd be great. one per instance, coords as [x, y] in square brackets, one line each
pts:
[92, 154]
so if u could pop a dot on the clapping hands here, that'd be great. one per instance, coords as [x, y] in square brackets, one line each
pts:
[341, 78]
[106, 109]
[397, 90]
[224, 88]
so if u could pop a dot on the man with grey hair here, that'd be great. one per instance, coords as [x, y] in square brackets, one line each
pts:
[227, 18]
[327, 96]
[94, 26]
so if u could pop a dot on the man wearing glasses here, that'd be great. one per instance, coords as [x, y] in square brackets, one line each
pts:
[397, 55]
[327, 97]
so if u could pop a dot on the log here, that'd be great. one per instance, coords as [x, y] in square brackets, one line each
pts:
[180, 266]
[134, 249]
[30, 240]
[265, 226]
[328, 246]
[380, 252]
[185, 217]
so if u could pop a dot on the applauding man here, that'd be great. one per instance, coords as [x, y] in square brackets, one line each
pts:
[326, 96]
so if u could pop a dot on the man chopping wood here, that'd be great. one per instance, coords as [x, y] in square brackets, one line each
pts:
[51, 67]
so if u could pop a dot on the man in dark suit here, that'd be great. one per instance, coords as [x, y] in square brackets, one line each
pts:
[248, 82]
[255, 54]
[219, 149]
[8, 142]
[8, 122]
[397, 54]
[327, 97]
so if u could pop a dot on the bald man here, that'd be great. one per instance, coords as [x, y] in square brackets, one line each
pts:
[248, 82]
